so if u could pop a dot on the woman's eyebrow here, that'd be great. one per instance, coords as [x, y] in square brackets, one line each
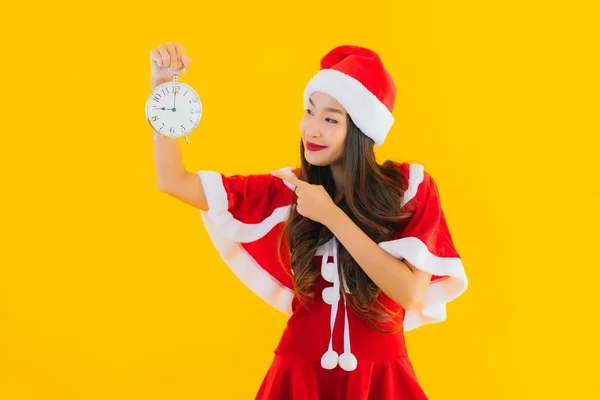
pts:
[335, 110]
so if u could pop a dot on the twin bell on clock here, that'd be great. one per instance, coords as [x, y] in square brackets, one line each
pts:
[174, 109]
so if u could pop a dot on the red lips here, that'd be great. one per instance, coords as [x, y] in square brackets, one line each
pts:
[314, 147]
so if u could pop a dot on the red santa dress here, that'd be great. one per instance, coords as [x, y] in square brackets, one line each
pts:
[326, 352]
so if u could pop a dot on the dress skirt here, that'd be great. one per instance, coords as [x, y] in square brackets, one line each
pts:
[290, 379]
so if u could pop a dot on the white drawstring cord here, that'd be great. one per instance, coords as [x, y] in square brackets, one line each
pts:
[347, 360]
[329, 360]
[331, 295]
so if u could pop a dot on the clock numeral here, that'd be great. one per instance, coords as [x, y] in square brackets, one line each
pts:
[183, 128]
[176, 89]
[167, 91]
[155, 118]
[156, 97]
[160, 129]
[186, 92]
[193, 101]
[192, 121]
[172, 130]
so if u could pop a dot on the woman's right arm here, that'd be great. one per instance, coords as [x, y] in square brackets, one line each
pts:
[173, 178]
[171, 174]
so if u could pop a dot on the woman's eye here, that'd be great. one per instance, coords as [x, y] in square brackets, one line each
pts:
[330, 120]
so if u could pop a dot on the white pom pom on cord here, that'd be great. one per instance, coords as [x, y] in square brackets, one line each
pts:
[330, 295]
[348, 362]
[329, 360]
[329, 272]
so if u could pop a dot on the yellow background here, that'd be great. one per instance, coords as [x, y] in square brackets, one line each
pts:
[112, 290]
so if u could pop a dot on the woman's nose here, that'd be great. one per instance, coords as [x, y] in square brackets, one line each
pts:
[314, 134]
[313, 130]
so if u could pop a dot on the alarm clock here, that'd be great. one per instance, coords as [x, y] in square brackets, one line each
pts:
[174, 109]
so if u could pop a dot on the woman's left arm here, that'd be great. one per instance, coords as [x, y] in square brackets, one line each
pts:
[398, 279]
[402, 282]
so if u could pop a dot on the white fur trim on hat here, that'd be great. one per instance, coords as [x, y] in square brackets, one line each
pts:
[369, 114]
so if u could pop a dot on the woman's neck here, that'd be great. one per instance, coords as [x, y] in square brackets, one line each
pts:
[337, 171]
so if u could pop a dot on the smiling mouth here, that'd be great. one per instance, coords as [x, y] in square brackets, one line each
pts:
[314, 147]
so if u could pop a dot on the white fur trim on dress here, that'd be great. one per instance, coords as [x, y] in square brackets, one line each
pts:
[227, 234]
[440, 292]
[416, 176]
[369, 114]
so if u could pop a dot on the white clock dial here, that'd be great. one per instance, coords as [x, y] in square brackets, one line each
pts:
[174, 109]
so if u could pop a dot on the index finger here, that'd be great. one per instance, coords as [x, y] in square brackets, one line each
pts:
[185, 59]
[291, 178]
[174, 56]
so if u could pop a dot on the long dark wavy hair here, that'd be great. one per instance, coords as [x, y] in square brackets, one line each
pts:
[372, 199]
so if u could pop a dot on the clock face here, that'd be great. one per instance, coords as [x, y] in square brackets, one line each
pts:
[174, 109]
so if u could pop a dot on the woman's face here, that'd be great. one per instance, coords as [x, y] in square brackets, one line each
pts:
[323, 130]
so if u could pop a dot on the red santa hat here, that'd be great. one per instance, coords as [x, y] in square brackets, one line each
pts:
[356, 78]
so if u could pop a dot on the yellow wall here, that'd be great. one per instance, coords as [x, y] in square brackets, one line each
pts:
[111, 290]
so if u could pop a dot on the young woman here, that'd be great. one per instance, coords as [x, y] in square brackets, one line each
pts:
[355, 252]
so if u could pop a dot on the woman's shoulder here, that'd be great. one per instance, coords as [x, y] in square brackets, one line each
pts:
[406, 167]
[410, 174]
